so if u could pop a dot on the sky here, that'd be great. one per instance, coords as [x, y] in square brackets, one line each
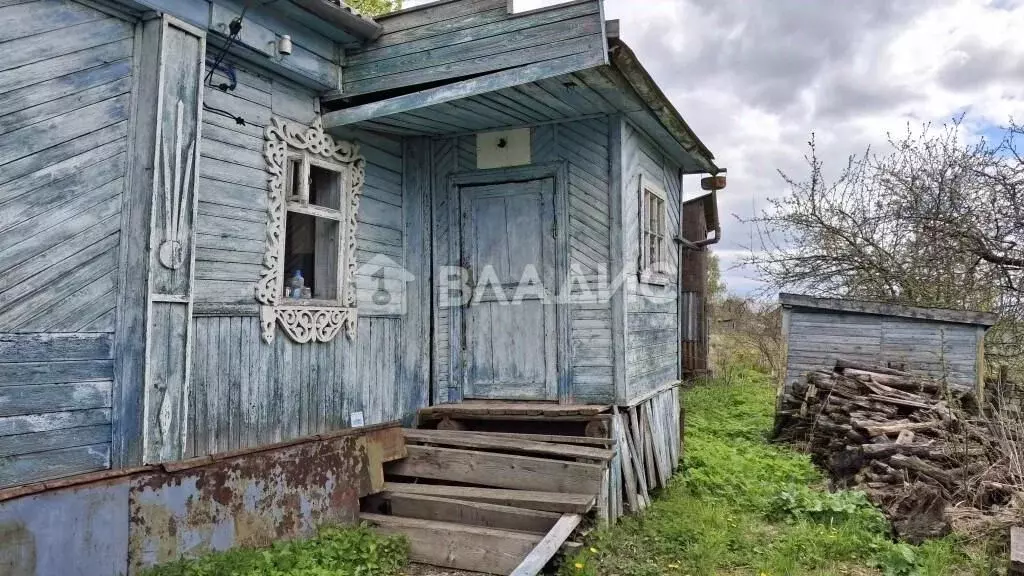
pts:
[755, 78]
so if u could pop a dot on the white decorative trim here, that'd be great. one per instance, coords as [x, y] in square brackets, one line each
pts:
[172, 250]
[314, 322]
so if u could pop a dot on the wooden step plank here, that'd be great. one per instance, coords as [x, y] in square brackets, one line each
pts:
[514, 409]
[549, 546]
[473, 513]
[534, 500]
[553, 438]
[459, 546]
[499, 470]
[464, 440]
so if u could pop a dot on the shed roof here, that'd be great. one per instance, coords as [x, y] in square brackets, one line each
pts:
[882, 309]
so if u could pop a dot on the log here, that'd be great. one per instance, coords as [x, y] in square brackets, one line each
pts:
[842, 365]
[875, 429]
[917, 465]
[1016, 551]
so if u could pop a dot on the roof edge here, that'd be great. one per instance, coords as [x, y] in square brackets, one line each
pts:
[625, 61]
[340, 14]
[986, 319]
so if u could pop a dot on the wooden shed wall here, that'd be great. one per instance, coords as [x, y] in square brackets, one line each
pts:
[652, 331]
[66, 77]
[816, 339]
[584, 147]
[245, 392]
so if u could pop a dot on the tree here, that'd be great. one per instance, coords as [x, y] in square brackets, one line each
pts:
[375, 7]
[933, 221]
[716, 290]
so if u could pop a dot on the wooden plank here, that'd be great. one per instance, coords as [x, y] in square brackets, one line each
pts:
[463, 440]
[1016, 550]
[458, 546]
[499, 470]
[54, 347]
[632, 434]
[53, 440]
[656, 434]
[534, 500]
[626, 463]
[472, 513]
[54, 464]
[45, 422]
[554, 438]
[513, 408]
[463, 89]
[549, 546]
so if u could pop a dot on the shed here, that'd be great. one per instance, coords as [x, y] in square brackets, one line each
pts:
[943, 344]
[229, 224]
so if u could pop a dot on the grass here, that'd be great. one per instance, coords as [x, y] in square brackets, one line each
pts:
[744, 506]
[333, 552]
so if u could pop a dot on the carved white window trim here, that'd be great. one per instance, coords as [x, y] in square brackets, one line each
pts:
[308, 320]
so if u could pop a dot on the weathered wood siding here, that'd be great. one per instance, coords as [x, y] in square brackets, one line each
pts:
[245, 392]
[652, 333]
[470, 37]
[66, 78]
[583, 146]
[816, 339]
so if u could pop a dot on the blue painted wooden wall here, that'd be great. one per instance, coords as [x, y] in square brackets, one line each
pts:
[65, 80]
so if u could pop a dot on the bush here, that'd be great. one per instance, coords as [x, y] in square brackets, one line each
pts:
[334, 552]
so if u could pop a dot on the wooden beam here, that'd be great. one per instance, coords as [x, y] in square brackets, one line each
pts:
[514, 409]
[469, 512]
[549, 546]
[458, 546]
[548, 501]
[463, 440]
[461, 89]
[499, 470]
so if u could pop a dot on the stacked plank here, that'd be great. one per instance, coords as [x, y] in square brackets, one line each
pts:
[649, 439]
[884, 431]
[499, 503]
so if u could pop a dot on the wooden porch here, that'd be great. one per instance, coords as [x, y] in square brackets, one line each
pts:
[502, 487]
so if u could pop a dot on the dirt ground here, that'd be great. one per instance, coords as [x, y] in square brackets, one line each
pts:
[425, 570]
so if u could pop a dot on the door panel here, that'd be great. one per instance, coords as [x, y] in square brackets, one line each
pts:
[508, 248]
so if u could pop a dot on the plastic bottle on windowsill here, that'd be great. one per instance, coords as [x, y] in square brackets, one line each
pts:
[295, 285]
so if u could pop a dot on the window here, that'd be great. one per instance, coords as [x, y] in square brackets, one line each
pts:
[313, 224]
[653, 241]
[307, 283]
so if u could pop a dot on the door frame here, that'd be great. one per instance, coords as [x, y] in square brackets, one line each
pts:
[558, 172]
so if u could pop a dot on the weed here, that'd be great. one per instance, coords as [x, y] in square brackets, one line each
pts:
[745, 506]
[334, 552]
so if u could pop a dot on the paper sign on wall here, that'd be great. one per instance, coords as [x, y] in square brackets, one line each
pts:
[356, 419]
[503, 149]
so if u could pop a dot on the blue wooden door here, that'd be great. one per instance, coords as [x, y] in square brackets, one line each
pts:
[509, 331]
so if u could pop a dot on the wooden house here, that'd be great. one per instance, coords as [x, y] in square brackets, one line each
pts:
[229, 224]
[945, 344]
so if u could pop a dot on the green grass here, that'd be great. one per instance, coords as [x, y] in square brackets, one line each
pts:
[744, 506]
[334, 552]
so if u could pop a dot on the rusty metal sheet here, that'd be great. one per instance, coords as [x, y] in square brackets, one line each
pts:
[255, 498]
[79, 530]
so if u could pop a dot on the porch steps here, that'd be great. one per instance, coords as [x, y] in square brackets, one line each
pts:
[497, 503]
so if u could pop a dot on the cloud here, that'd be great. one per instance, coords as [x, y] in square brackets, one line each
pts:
[755, 78]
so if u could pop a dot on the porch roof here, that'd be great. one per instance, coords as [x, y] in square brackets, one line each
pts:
[537, 96]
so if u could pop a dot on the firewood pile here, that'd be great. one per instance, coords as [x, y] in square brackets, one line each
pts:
[911, 444]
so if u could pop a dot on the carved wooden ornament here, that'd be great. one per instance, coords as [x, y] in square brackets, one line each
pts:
[317, 320]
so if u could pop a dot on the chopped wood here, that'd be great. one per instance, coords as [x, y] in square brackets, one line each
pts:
[463, 440]
[534, 500]
[548, 547]
[498, 470]
[469, 512]
[874, 429]
[905, 437]
[457, 545]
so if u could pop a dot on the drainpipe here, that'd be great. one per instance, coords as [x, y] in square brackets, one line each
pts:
[683, 244]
